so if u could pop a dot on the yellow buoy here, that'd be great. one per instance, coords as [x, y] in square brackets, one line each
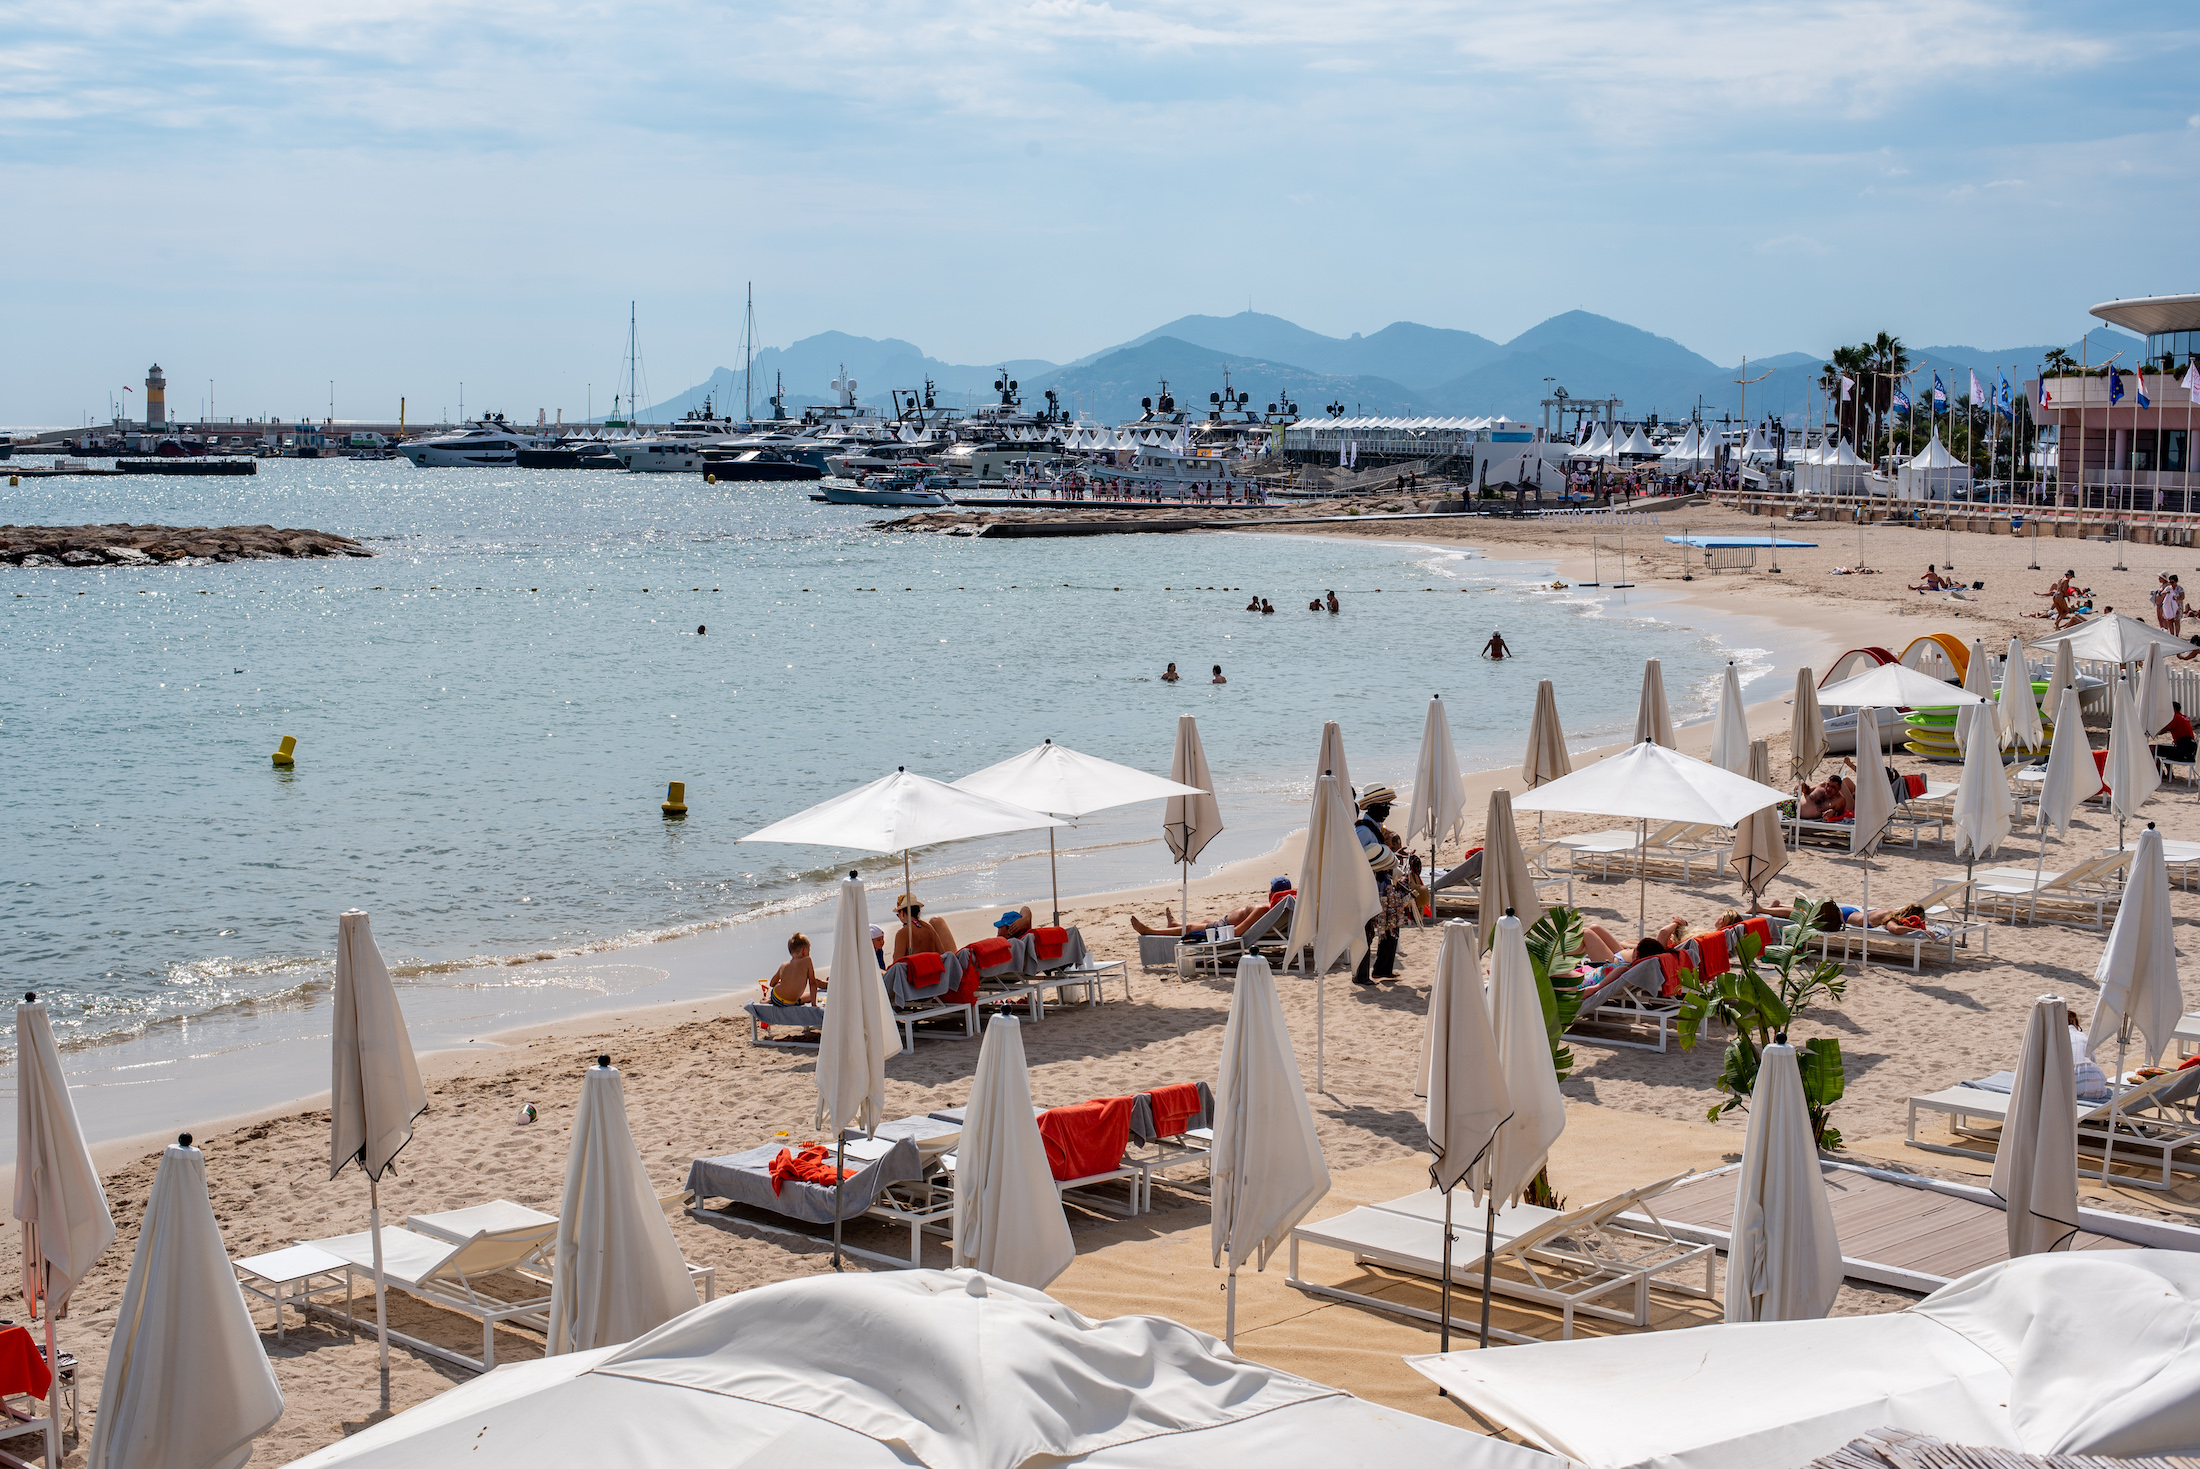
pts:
[285, 754]
[710, 479]
[676, 794]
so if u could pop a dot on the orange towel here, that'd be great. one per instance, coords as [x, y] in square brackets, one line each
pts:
[1671, 964]
[22, 1366]
[992, 953]
[925, 969]
[1174, 1107]
[1712, 946]
[1760, 926]
[1088, 1138]
[1051, 943]
[812, 1165]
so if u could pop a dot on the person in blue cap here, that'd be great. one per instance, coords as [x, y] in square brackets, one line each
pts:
[1013, 925]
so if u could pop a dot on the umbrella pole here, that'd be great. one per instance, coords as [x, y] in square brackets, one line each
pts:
[1054, 875]
[1443, 1329]
[1864, 955]
[2116, 1100]
[1229, 1313]
[381, 1308]
[53, 1361]
[840, 1166]
[1489, 1248]
[1321, 1029]
[1642, 877]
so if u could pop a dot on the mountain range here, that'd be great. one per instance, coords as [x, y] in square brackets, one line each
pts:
[1404, 369]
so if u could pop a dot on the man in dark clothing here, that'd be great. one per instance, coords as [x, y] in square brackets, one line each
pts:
[1381, 959]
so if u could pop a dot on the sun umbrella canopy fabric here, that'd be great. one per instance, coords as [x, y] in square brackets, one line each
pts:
[618, 1271]
[859, 1032]
[1760, 846]
[375, 1090]
[2065, 675]
[188, 1385]
[1062, 782]
[2113, 638]
[1462, 1076]
[2070, 776]
[1507, 881]
[1189, 823]
[1807, 727]
[1546, 759]
[1337, 892]
[2137, 973]
[1332, 762]
[1266, 1169]
[1008, 1217]
[1978, 678]
[1874, 798]
[2130, 772]
[2036, 1161]
[1439, 795]
[1652, 720]
[900, 811]
[1730, 727]
[1894, 686]
[1785, 1264]
[1984, 805]
[2018, 710]
[2156, 706]
[1524, 1056]
[1654, 783]
[58, 1197]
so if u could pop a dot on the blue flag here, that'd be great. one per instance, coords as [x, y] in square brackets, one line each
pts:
[2002, 399]
[1940, 394]
[1901, 401]
[2115, 385]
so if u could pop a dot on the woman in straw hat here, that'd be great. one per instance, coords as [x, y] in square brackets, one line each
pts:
[917, 935]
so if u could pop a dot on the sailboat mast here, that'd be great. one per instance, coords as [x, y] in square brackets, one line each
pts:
[630, 345]
[748, 358]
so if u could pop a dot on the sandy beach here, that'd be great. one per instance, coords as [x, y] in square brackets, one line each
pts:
[696, 1087]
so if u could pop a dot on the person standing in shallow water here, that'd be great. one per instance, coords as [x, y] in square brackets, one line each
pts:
[1333, 607]
[1495, 648]
[1218, 678]
[1171, 675]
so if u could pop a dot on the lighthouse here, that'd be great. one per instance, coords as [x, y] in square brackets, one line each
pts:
[156, 398]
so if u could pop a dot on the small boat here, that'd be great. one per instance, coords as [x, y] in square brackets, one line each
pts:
[770, 465]
[907, 488]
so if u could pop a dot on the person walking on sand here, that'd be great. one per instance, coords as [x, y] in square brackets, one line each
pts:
[1218, 678]
[2173, 607]
[1170, 676]
[1495, 649]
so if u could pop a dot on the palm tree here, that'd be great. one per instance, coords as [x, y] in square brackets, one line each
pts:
[2058, 363]
[1850, 363]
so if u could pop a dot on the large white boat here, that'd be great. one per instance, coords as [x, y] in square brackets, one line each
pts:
[678, 446]
[487, 442]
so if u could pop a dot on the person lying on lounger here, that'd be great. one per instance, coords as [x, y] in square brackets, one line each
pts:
[1238, 921]
[1833, 917]
[1013, 924]
[1600, 946]
[798, 982]
[1833, 799]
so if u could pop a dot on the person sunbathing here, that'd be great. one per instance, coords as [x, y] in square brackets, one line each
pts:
[1600, 946]
[917, 935]
[797, 981]
[1932, 582]
[1833, 799]
[1238, 921]
[1013, 924]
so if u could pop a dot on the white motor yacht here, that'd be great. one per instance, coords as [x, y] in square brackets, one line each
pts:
[486, 442]
[678, 446]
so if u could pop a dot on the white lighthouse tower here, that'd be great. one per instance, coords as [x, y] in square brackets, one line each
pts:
[156, 398]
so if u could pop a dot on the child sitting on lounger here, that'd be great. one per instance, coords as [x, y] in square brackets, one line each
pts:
[797, 982]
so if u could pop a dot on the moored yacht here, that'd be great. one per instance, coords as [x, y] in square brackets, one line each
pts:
[678, 446]
[487, 442]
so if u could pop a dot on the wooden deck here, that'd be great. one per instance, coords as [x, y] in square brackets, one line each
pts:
[1914, 1235]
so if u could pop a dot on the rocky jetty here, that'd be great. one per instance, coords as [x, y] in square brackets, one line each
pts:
[151, 545]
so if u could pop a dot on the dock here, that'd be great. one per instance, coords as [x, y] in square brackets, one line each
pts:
[140, 466]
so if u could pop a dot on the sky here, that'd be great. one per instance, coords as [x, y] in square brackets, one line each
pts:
[402, 197]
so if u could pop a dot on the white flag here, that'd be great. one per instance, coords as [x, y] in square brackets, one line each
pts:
[2192, 376]
[1978, 394]
[1847, 383]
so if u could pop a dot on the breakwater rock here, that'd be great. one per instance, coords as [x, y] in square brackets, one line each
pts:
[149, 545]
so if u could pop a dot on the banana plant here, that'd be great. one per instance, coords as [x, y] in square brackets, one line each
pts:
[1758, 999]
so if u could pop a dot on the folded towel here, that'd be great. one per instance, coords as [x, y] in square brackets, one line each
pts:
[22, 1366]
[1049, 943]
[925, 969]
[1087, 1138]
[991, 953]
[1671, 964]
[1174, 1107]
[1712, 946]
[1914, 784]
[812, 1165]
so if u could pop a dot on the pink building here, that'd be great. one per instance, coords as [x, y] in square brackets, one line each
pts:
[2117, 453]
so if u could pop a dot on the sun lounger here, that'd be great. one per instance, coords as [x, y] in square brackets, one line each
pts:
[1581, 1262]
[1270, 931]
[1943, 911]
[1839, 832]
[461, 1275]
[1628, 1002]
[763, 1013]
[1159, 1155]
[1074, 966]
[1677, 845]
[2187, 1034]
[498, 1215]
[889, 1178]
[2085, 891]
[2146, 1125]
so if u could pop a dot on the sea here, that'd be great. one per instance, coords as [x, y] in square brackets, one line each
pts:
[488, 711]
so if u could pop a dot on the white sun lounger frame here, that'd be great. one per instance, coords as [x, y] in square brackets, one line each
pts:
[444, 1274]
[2141, 1131]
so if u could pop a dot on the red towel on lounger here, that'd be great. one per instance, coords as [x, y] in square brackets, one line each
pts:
[22, 1367]
[1915, 785]
[1050, 943]
[1712, 946]
[991, 953]
[1086, 1139]
[812, 1165]
[1760, 926]
[1671, 964]
[925, 969]
[1174, 1107]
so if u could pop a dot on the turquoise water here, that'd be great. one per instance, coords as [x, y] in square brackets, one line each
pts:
[487, 713]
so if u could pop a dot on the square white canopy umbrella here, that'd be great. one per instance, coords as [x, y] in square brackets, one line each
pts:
[374, 1087]
[1439, 804]
[1785, 1264]
[1653, 721]
[1332, 761]
[58, 1197]
[2137, 975]
[1546, 758]
[1760, 846]
[1337, 896]
[1062, 782]
[188, 1385]
[618, 1271]
[1893, 686]
[1650, 783]
[1464, 1080]
[1008, 1217]
[2112, 638]
[859, 1035]
[1978, 678]
[1730, 726]
[2018, 711]
[1189, 823]
[1874, 809]
[2130, 772]
[898, 812]
[1806, 727]
[2036, 1161]
[1266, 1169]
